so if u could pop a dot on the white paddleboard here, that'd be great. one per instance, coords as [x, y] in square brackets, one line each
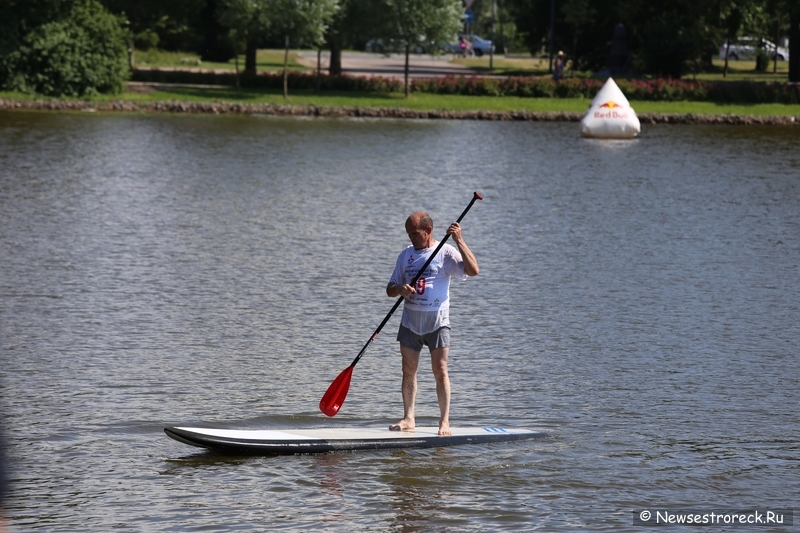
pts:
[298, 441]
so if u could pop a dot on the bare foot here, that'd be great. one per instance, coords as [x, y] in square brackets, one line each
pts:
[444, 429]
[403, 425]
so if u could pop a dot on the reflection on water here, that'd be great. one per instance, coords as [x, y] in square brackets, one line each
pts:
[200, 460]
[418, 490]
[637, 300]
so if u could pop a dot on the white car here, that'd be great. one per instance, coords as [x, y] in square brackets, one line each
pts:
[747, 47]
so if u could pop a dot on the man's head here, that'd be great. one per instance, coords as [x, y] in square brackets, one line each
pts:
[419, 227]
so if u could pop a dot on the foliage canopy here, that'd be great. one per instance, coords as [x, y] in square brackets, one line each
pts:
[80, 52]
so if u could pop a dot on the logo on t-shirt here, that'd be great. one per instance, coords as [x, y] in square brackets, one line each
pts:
[410, 259]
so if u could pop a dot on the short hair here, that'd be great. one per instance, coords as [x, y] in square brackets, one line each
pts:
[425, 220]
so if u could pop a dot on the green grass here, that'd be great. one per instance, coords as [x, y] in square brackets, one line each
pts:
[420, 101]
[13, 95]
[711, 108]
[424, 101]
[744, 71]
[506, 66]
[266, 60]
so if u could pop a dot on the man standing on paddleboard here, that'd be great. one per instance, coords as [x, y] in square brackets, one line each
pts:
[426, 309]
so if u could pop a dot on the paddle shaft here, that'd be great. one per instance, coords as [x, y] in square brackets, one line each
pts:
[475, 196]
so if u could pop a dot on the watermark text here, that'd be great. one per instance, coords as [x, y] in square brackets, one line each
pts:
[720, 517]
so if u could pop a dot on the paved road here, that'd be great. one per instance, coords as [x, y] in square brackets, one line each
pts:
[368, 64]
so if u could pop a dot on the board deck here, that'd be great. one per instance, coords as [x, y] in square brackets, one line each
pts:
[299, 441]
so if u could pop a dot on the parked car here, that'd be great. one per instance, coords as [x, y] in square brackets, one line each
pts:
[747, 48]
[480, 45]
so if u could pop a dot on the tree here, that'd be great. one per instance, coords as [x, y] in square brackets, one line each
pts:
[17, 18]
[247, 21]
[760, 19]
[794, 44]
[354, 23]
[420, 22]
[78, 53]
[731, 19]
[216, 43]
[778, 14]
[172, 25]
[665, 37]
[532, 18]
[302, 22]
[577, 14]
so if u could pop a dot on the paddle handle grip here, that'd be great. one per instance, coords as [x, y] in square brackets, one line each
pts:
[475, 196]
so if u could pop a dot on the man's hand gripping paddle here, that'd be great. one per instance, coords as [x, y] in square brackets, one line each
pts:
[334, 397]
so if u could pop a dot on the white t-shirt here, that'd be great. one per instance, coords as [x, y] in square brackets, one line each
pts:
[429, 308]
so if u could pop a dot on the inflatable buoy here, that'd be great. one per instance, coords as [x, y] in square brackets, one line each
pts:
[610, 116]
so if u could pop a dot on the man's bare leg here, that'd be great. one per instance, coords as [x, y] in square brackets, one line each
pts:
[410, 366]
[439, 364]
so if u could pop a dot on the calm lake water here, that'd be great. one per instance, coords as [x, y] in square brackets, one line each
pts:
[639, 301]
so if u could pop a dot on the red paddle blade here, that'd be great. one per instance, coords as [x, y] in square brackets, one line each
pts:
[334, 397]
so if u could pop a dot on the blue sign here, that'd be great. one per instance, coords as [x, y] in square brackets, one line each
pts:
[469, 16]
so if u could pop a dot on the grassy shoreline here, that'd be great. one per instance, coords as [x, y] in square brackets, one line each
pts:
[145, 96]
[151, 96]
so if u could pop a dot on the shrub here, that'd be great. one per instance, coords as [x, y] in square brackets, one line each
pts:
[81, 54]
[528, 87]
[146, 40]
[270, 80]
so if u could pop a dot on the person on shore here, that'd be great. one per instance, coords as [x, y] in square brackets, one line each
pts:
[462, 44]
[426, 310]
[558, 67]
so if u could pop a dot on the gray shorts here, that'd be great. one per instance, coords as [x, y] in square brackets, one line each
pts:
[435, 339]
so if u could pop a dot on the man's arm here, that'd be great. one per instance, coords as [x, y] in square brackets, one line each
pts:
[394, 290]
[471, 267]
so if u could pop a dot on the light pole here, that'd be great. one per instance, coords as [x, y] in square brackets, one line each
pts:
[552, 30]
[491, 48]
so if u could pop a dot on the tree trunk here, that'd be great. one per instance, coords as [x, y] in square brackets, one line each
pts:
[131, 14]
[574, 50]
[552, 32]
[335, 67]
[502, 34]
[408, 52]
[286, 70]
[319, 65]
[777, 40]
[491, 50]
[794, 46]
[250, 57]
[727, 53]
[131, 52]
[236, 65]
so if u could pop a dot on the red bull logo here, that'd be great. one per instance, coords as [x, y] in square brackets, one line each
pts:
[610, 109]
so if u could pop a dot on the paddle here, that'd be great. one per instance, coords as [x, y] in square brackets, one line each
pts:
[334, 397]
